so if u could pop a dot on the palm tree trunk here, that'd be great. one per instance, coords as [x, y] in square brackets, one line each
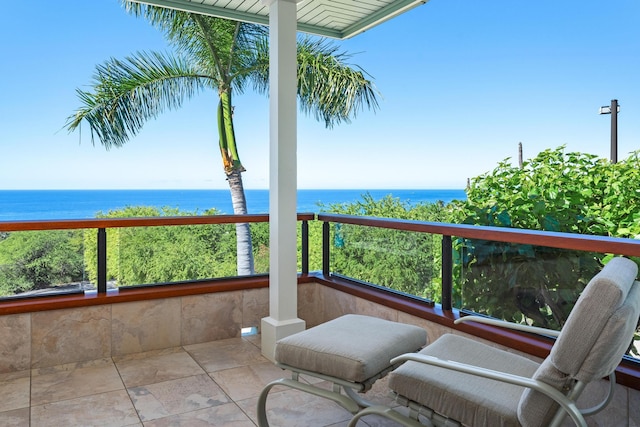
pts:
[243, 231]
[233, 169]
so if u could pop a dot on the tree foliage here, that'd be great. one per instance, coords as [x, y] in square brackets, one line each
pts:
[404, 261]
[555, 191]
[32, 260]
[147, 255]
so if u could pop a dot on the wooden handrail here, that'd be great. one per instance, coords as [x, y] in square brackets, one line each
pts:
[66, 224]
[574, 241]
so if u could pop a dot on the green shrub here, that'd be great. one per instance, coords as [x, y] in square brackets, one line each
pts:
[555, 191]
[404, 261]
[146, 255]
[31, 260]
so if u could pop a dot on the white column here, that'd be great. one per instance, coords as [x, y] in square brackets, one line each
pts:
[283, 296]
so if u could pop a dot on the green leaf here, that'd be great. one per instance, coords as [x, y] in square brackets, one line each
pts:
[504, 219]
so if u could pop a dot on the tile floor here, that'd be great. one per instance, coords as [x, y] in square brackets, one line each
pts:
[210, 384]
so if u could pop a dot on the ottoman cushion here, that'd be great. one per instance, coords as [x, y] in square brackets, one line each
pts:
[352, 347]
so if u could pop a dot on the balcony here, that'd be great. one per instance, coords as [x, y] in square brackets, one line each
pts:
[175, 355]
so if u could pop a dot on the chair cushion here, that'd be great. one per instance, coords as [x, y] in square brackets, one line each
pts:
[468, 399]
[352, 347]
[593, 340]
[535, 409]
[606, 354]
[590, 319]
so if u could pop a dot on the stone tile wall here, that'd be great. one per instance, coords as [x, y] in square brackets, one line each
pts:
[56, 337]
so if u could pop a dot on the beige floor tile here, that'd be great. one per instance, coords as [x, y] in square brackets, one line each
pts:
[378, 394]
[170, 388]
[379, 421]
[306, 378]
[178, 396]
[157, 366]
[15, 418]
[225, 354]
[255, 339]
[74, 380]
[615, 414]
[14, 390]
[247, 381]
[292, 408]
[227, 415]
[112, 409]
[323, 412]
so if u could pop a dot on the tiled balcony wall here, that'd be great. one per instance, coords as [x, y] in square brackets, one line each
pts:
[49, 338]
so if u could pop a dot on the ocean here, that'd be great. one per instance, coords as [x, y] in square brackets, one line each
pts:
[22, 205]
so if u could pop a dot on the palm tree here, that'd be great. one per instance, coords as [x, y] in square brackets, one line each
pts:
[226, 56]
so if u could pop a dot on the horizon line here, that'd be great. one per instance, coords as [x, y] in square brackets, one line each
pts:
[226, 189]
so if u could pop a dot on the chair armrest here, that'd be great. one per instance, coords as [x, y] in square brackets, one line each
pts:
[508, 325]
[568, 405]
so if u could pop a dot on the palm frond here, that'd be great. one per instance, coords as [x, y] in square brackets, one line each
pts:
[328, 88]
[233, 53]
[223, 47]
[128, 93]
[258, 69]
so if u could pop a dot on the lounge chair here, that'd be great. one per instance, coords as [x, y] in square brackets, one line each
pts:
[352, 352]
[457, 381]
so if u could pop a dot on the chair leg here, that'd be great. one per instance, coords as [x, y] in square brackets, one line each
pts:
[363, 403]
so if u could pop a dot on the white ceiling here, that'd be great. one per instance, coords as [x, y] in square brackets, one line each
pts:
[338, 19]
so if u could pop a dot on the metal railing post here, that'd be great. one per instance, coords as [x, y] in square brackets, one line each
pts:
[325, 249]
[447, 273]
[305, 247]
[102, 261]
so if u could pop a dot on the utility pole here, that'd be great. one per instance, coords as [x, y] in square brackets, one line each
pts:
[614, 109]
[520, 154]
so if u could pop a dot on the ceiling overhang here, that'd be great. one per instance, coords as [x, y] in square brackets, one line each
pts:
[339, 19]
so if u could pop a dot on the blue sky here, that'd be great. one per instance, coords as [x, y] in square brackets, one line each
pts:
[462, 82]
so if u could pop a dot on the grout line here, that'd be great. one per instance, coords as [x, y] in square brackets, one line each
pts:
[126, 390]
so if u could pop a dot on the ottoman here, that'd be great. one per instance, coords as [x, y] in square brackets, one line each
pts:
[352, 352]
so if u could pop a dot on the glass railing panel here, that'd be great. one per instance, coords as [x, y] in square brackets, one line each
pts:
[401, 261]
[166, 254]
[260, 246]
[42, 262]
[525, 284]
[520, 283]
